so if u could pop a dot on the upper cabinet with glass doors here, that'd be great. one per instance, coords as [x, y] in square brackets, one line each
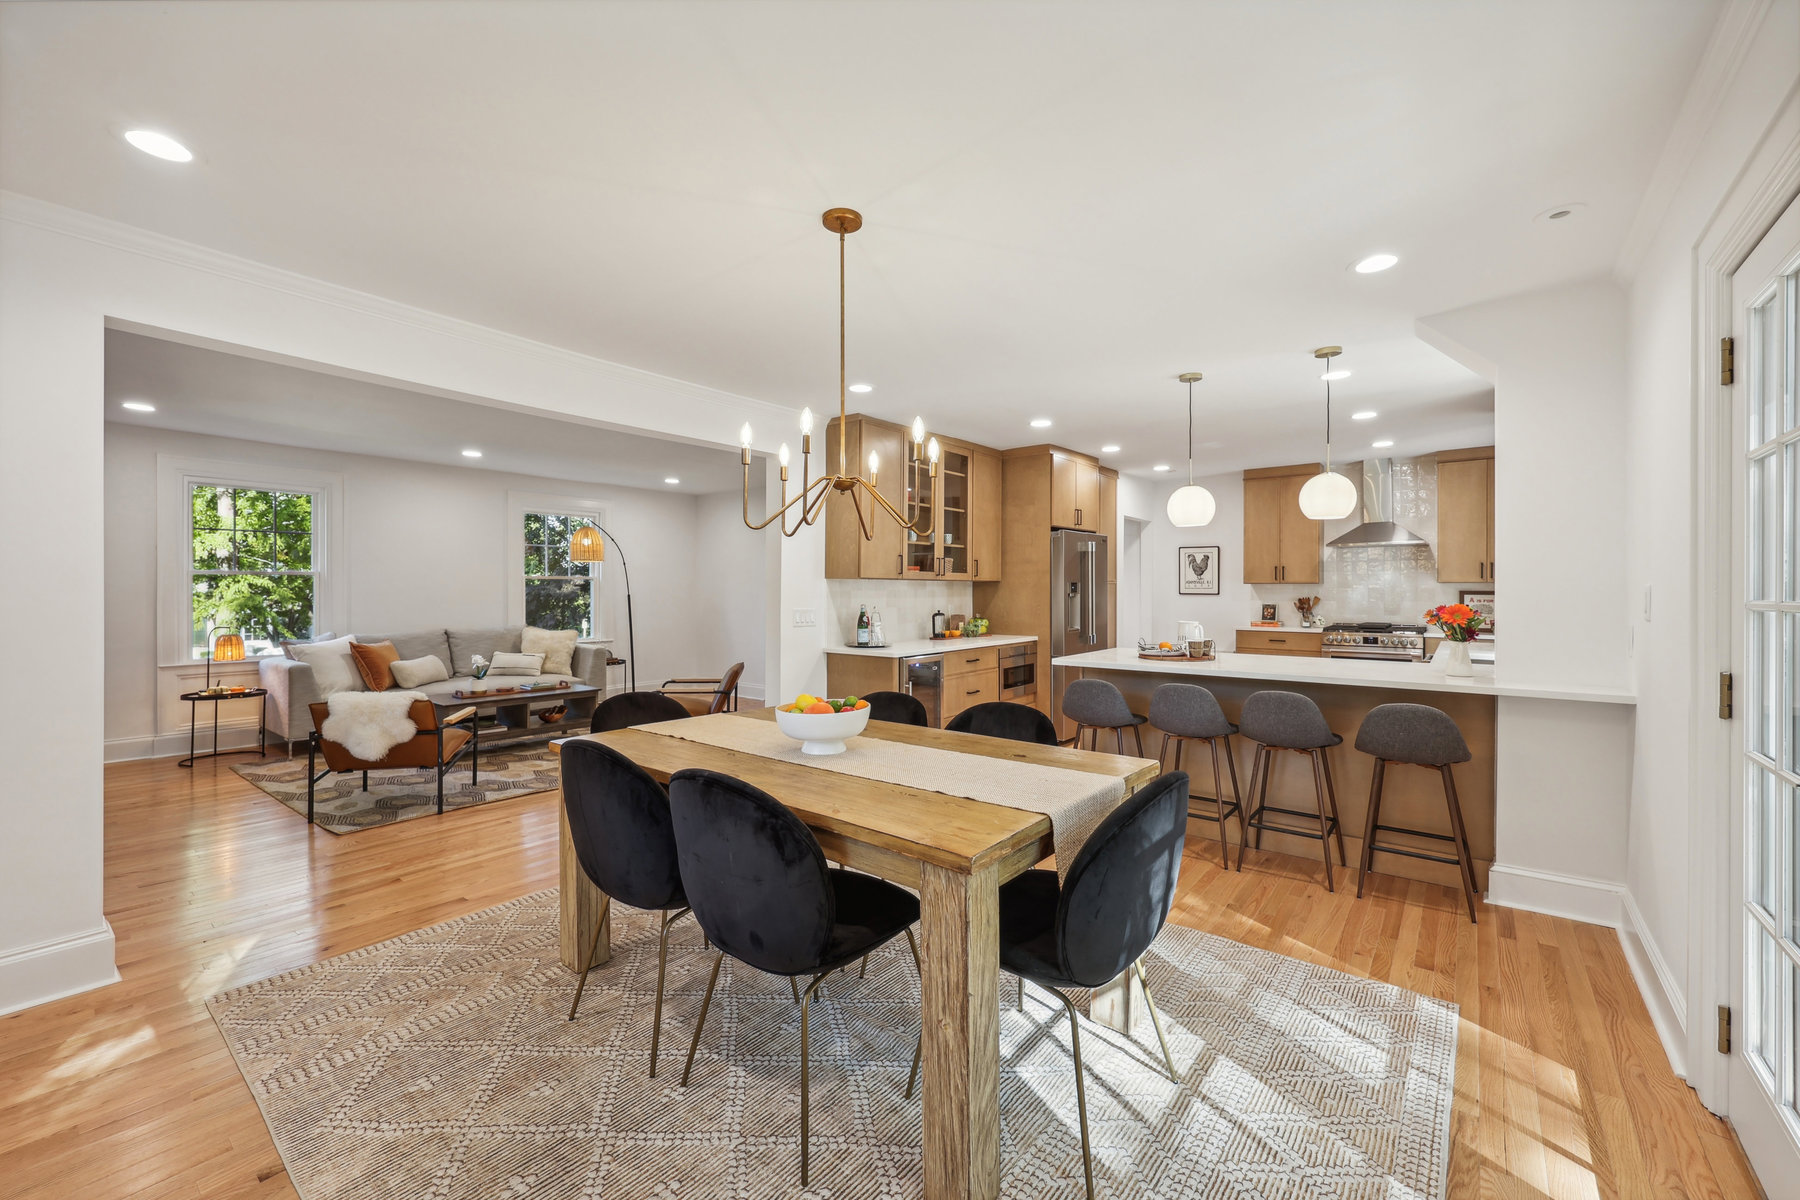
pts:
[955, 516]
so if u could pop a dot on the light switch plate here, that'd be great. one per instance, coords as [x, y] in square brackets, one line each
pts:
[805, 618]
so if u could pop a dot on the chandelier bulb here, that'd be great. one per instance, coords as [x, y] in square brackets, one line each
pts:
[806, 420]
[783, 455]
[918, 430]
[931, 451]
[744, 435]
[874, 464]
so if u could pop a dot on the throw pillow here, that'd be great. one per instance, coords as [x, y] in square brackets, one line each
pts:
[556, 645]
[288, 645]
[417, 672]
[372, 662]
[333, 666]
[516, 664]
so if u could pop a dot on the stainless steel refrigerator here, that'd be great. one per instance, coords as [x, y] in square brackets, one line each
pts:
[1078, 616]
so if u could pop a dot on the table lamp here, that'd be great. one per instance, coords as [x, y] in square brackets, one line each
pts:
[227, 646]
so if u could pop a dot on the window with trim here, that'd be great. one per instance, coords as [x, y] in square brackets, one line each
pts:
[559, 593]
[252, 564]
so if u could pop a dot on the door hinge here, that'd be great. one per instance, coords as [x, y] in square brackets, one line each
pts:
[1724, 1029]
[1727, 361]
[1724, 695]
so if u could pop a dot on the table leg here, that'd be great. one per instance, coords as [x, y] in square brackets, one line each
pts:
[960, 956]
[582, 905]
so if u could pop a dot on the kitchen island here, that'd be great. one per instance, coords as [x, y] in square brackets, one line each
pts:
[1345, 689]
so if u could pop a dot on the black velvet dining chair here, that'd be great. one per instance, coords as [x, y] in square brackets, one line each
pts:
[636, 708]
[1004, 719]
[762, 891]
[624, 840]
[1099, 922]
[897, 707]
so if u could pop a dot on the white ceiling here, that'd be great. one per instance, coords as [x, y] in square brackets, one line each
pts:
[1067, 203]
[197, 390]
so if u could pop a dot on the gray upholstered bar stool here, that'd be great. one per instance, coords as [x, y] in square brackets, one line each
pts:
[1096, 704]
[1186, 712]
[1278, 721]
[1420, 736]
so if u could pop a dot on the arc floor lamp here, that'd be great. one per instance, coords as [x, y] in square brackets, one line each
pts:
[586, 546]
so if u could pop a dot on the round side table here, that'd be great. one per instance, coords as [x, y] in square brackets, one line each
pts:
[195, 699]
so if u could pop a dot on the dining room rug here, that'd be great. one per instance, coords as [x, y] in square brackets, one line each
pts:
[341, 806]
[442, 1064]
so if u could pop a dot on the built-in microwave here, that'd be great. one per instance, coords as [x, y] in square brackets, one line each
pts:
[1018, 671]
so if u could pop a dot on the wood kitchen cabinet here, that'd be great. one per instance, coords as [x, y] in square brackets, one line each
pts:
[848, 555]
[1109, 520]
[985, 515]
[960, 510]
[1465, 516]
[1281, 544]
[1074, 492]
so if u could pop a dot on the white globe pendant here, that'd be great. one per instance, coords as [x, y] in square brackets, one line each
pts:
[1328, 496]
[1190, 506]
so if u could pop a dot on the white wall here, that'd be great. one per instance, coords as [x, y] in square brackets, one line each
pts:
[425, 546]
[728, 581]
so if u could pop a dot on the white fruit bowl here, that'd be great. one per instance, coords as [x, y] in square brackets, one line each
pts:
[822, 733]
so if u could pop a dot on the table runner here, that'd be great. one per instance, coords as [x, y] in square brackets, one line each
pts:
[1075, 801]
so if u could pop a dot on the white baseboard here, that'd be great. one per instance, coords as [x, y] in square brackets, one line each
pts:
[1576, 897]
[1662, 991]
[51, 970]
[170, 745]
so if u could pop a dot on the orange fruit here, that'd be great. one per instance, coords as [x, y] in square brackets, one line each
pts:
[818, 706]
[1164, 646]
[862, 704]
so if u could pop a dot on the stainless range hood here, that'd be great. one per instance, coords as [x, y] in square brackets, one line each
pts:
[1378, 528]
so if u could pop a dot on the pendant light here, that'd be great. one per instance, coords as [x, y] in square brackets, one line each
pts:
[1328, 496]
[1192, 504]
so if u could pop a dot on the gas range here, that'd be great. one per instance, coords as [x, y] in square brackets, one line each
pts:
[1375, 639]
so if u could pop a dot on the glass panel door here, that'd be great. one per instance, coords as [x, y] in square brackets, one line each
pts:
[1766, 644]
[953, 537]
[921, 548]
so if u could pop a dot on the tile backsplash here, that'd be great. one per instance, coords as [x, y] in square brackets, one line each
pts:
[906, 605]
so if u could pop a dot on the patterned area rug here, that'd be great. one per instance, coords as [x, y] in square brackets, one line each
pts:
[343, 807]
[441, 1065]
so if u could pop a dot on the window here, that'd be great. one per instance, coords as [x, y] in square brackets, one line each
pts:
[252, 565]
[559, 594]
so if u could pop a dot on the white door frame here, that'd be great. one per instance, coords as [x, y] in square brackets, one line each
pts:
[1768, 183]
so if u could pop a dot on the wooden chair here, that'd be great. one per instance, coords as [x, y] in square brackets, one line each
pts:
[702, 697]
[438, 746]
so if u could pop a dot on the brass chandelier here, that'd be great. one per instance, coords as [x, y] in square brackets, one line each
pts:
[814, 492]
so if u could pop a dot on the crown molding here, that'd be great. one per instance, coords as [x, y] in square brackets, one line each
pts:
[115, 235]
[1733, 36]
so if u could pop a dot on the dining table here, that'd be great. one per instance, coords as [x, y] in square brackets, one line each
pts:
[955, 852]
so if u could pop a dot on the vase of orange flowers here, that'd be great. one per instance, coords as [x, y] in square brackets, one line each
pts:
[1460, 625]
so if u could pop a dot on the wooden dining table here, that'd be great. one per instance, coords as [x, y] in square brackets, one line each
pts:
[956, 853]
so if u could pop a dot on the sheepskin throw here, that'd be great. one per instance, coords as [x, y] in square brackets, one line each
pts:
[369, 724]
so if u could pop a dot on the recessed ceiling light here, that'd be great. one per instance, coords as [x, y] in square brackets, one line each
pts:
[1374, 263]
[159, 144]
[860, 388]
[1160, 467]
[1335, 375]
[1367, 414]
[1040, 422]
[1383, 444]
[471, 454]
[671, 479]
[1109, 449]
[1561, 212]
[139, 406]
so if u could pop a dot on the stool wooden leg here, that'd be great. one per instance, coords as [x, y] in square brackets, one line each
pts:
[1162, 752]
[1137, 733]
[1463, 860]
[1337, 826]
[1318, 757]
[1368, 846]
[1219, 792]
[1259, 774]
[1238, 800]
[1119, 739]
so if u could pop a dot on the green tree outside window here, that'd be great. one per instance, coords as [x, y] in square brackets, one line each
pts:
[559, 594]
[253, 565]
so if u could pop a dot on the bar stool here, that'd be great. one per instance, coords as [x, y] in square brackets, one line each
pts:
[1421, 736]
[1187, 713]
[1290, 721]
[1096, 704]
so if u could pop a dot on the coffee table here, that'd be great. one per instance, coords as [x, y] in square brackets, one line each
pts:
[512, 711]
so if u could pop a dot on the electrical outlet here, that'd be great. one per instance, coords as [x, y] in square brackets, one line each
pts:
[805, 618]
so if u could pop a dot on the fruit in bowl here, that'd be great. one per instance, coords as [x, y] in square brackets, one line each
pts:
[820, 725]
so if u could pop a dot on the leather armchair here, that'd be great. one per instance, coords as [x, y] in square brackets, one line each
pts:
[437, 746]
[702, 697]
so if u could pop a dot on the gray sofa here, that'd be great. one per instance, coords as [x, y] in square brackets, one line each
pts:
[291, 687]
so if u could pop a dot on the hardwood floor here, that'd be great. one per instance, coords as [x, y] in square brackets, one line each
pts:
[1562, 1089]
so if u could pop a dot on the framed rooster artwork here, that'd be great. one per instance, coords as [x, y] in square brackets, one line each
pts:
[1197, 571]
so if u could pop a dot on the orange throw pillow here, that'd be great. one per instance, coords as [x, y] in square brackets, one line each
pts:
[373, 661]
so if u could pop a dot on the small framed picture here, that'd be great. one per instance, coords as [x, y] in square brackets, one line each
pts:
[1268, 613]
[1197, 571]
[1483, 603]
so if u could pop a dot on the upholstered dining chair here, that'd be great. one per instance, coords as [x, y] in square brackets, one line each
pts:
[636, 708]
[1102, 918]
[704, 696]
[1004, 719]
[438, 746]
[761, 889]
[897, 707]
[625, 841]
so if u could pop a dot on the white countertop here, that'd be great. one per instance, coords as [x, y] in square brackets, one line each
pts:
[919, 647]
[1351, 672]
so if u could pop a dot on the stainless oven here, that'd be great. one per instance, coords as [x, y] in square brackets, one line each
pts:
[1018, 671]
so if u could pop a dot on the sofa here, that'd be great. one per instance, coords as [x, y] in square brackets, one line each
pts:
[292, 689]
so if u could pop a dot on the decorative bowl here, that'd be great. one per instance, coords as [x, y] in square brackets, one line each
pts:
[822, 733]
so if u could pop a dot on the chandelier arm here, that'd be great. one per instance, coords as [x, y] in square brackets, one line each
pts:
[894, 512]
[861, 518]
[818, 503]
[770, 519]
